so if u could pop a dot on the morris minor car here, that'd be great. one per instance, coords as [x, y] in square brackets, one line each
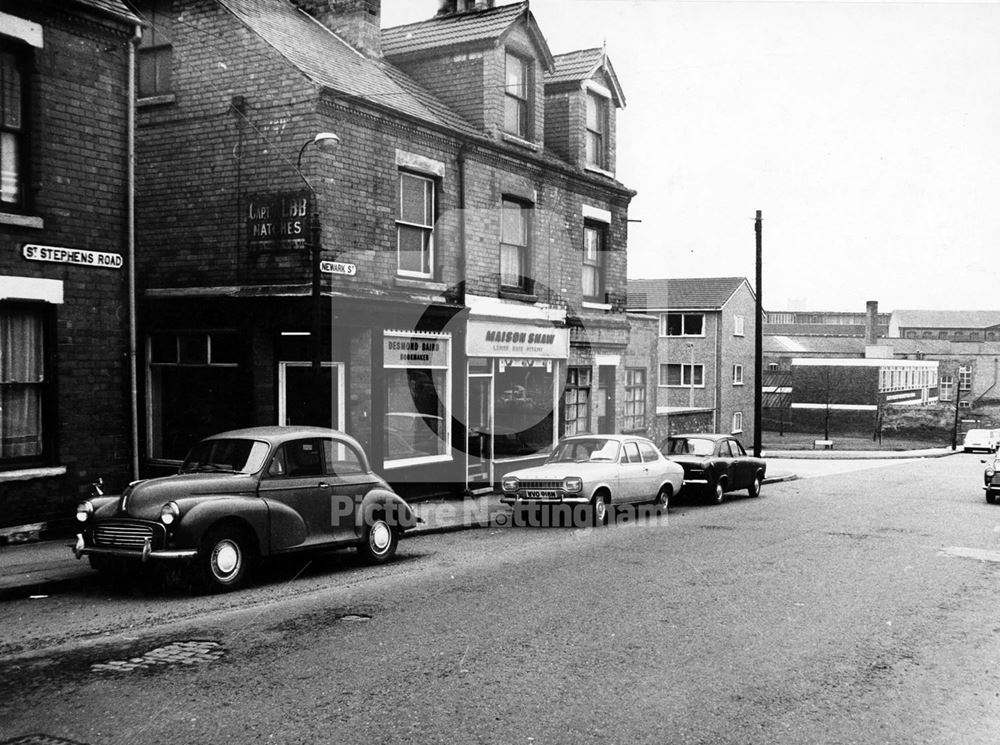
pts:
[246, 495]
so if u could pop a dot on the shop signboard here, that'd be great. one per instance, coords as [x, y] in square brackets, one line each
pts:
[415, 351]
[516, 340]
[278, 222]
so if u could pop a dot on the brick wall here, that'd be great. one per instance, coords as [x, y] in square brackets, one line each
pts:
[78, 166]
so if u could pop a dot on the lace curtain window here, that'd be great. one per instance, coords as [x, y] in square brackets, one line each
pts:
[22, 374]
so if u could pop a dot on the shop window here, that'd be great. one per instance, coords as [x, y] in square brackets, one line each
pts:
[576, 401]
[523, 406]
[597, 130]
[415, 226]
[517, 96]
[682, 376]
[514, 231]
[24, 395]
[682, 324]
[635, 399]
[13, 129]
[155, 50]
[194, 390]
[594, 242]
[417, 426]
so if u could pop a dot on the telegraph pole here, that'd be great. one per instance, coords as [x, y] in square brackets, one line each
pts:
[758, 343]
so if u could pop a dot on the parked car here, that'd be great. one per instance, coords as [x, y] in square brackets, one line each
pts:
[246, 495]
[981, 439]
[715, 463]
[991, 478]
[599, 471]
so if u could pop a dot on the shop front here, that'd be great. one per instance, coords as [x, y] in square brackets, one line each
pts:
[516, 374]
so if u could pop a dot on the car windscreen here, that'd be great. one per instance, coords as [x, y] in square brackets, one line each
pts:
[227, 456]
[689, 446]
[594, 449]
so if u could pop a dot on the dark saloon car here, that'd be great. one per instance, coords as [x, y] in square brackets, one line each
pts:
[991, 479]
[245, 495]
[715, 464]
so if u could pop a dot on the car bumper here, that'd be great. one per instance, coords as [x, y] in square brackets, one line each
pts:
[519, 501]
[146, 553]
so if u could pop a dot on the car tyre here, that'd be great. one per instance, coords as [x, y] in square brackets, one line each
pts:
[662, 500]
[718, 492]
[754, 489]
[225, 559]
[991, 497]
[379, 542]
[599, 507]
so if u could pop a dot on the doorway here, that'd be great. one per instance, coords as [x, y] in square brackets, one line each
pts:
[301, 403]
[479, 433]
[606, 399]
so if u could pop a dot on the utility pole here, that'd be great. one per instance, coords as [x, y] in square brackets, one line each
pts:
[758, 342]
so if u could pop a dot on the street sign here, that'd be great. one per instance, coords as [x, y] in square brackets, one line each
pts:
[338, 267]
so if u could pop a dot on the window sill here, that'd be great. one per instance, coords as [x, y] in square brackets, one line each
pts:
[150, 101]
[392, 464]
[600, 171]
[520, 142]
[26, 474]
[415, 283]
[596, 306]
[22, 221]
[524, 297]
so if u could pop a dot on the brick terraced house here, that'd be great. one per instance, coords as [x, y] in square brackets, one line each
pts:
[64, 269]
[447, 283]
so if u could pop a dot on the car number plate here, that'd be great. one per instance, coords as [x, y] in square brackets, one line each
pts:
[542, 494]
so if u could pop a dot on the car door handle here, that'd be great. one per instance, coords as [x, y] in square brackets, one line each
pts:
[323, 485]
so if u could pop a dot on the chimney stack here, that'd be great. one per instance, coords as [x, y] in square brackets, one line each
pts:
[871, 322]
[358, 22]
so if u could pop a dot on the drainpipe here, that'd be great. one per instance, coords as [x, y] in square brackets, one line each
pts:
[462, 257]
[130, 218]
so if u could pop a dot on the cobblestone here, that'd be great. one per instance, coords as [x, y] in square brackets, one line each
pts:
[176, 653]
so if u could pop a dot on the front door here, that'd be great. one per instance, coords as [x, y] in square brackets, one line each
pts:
[606, 400]
[479, 432]
[301, 401]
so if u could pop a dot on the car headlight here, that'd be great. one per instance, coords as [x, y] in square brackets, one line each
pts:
[84, 511]
[573, 483]
[169, 513]
[989, 473]
[510, 483]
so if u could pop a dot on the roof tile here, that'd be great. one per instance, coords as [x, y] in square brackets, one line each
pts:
[451, 30]
[709, 293]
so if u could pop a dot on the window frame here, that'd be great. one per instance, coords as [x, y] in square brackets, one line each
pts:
[518, 94]
[737, 427]
[579, 382]
[665, 324]
[427, 229]
[523, 250]
[737, 374]
[22, 60]
[48, 419]
[155, 49]
[739, 326]
[634, 417]
[596, 140]
[598, 266]
[691, 369]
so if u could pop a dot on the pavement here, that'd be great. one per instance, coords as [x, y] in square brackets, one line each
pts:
[47, 566]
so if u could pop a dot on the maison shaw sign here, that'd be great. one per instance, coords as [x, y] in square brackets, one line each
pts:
[76, 256]
[278, 222]
[512, 339]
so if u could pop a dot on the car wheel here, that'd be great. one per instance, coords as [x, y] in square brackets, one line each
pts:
[662, 500]
[754, 489]
[599, 504]
[379, 543]
[225, 559]
[719, 492]
[991, 497]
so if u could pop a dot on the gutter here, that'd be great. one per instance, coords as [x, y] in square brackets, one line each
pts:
[130, 217]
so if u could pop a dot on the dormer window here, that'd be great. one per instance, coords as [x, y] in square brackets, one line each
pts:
[517, 99]
[597, 131]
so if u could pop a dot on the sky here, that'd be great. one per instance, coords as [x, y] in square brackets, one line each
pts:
[866, 133]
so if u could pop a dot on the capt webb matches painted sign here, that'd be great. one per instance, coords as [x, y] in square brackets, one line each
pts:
[78, 257]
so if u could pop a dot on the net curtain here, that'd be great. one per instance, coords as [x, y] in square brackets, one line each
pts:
[22, 374]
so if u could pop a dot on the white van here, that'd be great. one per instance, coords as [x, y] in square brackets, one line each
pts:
[981, 439]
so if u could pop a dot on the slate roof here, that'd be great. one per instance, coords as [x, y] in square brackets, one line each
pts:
[583, 64]
[330, 62]
[458, 29]
[946, 319]
[709, 293]
[116, 8]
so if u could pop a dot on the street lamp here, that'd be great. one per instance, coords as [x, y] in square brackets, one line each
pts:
[327, 141]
